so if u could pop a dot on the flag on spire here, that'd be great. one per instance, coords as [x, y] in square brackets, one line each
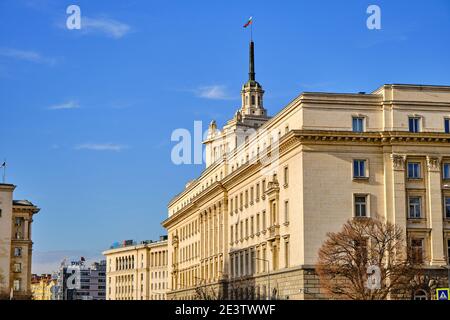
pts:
[249, 22]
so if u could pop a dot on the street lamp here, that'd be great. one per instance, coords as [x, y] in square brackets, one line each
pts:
[268, 276]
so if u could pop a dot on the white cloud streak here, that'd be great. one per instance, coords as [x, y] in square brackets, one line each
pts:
[109, 27]
[214, 92]
[101, 147]
[65, 105]
[26, 55]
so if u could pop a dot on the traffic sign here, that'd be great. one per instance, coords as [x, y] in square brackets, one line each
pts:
[442, 294]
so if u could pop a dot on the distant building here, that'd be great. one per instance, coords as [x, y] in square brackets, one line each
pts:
[41, 286]
[16, 217]
[77, 281]
[137, 271]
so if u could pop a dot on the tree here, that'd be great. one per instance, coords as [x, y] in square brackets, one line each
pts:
[367, 260]
[204, 291]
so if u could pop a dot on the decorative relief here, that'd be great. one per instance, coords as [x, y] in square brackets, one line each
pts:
[398, 161]
[433, 163]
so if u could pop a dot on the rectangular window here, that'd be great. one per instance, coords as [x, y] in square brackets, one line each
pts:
[360, 206]
[359, 168]
[231, 205]
[231, 233]
[17, 267]
[413, 170]
[286, 254]
[447, 207]
[361, 252]
[447, 125]
[446, 171]
[257, 192]
[252, 195]
[232, 264]
[263, 184]
[252, 226]
[16, 285]
[242, 230]
[246, 228]
[448, 251]
[286, 211]
[286, 176]
[417, 250]
[241, 201]
[358, 124]
[17, 252]
[264, 220]
[257, 223]
[415, 207]
[246, 198]
[414, 124]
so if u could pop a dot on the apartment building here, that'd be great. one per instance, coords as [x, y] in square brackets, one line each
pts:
[137, 271]
[16, 217]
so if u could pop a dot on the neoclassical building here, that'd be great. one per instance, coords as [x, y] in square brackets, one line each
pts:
[137, 271]
[16, 217]
[250, 226]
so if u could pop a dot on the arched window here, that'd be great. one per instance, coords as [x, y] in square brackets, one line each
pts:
[420, 295]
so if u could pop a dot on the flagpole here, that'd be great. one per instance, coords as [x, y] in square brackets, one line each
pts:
[4, 171]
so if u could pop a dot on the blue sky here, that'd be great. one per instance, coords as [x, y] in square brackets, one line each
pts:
[86, 115]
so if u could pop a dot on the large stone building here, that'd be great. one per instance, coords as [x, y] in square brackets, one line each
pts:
[252, 223]
[137, 271]
[16, 217]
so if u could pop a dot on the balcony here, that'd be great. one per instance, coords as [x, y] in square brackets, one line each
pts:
[273, 232]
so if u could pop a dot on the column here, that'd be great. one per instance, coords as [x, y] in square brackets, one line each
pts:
[396, 192]
[435, 213]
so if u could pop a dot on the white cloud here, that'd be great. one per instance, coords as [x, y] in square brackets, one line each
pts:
[216, 92]
[66, 105]
[101, 147]
[109, 27]
[26, 55]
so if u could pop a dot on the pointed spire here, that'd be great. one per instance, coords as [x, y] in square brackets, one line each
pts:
[251, 73]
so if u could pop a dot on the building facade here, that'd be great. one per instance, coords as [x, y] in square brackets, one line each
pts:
[79, 281]
[250, 226]
[137, 271]
[42, 286]
[16, 217]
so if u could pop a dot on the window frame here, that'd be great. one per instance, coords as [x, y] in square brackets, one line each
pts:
[355, 120]
[422, 247]
[418, 125]
[446, 213]
[444, 165]
[366, 204]
[419, 164]
[420, 206]
[366, 169]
